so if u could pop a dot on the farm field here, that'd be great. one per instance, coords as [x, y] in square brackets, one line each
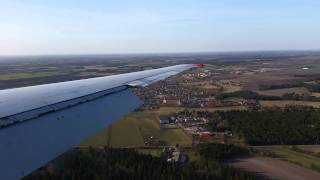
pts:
[152, 151]
[14, 76]
[175, 136]
[131, 130]
[167, 110]
[270, 168]
[285, 103]
[124, 132]
[287, 154]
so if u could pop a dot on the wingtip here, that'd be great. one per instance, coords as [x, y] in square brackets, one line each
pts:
[199, 65]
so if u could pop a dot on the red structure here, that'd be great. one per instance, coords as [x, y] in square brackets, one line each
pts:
[200, 65]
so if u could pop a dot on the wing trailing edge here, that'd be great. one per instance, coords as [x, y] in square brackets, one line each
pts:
[39, 123]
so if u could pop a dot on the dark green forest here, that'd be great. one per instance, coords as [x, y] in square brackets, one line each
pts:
[96, 164]
[272, 127]
[220, 152]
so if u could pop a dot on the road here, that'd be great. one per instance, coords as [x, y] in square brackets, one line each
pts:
[269, 168]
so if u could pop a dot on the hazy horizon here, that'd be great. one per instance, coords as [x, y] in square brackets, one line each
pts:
[142, 27]
[256, 52]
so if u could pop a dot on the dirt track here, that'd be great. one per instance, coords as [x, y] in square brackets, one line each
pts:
[269, 168]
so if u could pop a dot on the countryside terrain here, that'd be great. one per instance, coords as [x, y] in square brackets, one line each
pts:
[267, 104]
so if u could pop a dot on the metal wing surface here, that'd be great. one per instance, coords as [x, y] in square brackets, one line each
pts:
[38, 123]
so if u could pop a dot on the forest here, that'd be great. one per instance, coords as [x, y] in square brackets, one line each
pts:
[106, 163]
[271, 127]
[220, 152]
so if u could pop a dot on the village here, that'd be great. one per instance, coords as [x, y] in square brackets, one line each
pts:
[181, 112]
[194, 92]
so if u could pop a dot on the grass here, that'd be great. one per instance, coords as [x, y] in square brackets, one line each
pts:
[280, 92]
[14, 76]
[287, 154]
[175, 136]
[231, 89]
[285, 103]
[167, 110]
[129, 132]
[124, 133]
[152, 151]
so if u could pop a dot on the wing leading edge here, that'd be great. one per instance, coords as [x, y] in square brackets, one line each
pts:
[38, 123]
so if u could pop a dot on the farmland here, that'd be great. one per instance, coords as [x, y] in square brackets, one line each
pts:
[131, 131]
[14, 76]
[270, 168]
[192, 99]
[287, 153]
[281, 162]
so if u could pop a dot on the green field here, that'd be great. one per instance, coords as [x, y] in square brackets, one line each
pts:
[152, 151]
[167, 110]
[26, 75]
[286, 153]
[131, 130]
[175, 136]
[124, 132]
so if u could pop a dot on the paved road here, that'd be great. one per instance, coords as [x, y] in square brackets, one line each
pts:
[275, 169]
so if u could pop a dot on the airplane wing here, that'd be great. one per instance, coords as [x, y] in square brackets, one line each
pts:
[38, 123]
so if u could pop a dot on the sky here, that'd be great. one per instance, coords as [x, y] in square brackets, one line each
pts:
[40, 27]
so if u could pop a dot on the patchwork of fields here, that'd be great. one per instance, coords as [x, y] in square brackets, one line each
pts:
[140, 129]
